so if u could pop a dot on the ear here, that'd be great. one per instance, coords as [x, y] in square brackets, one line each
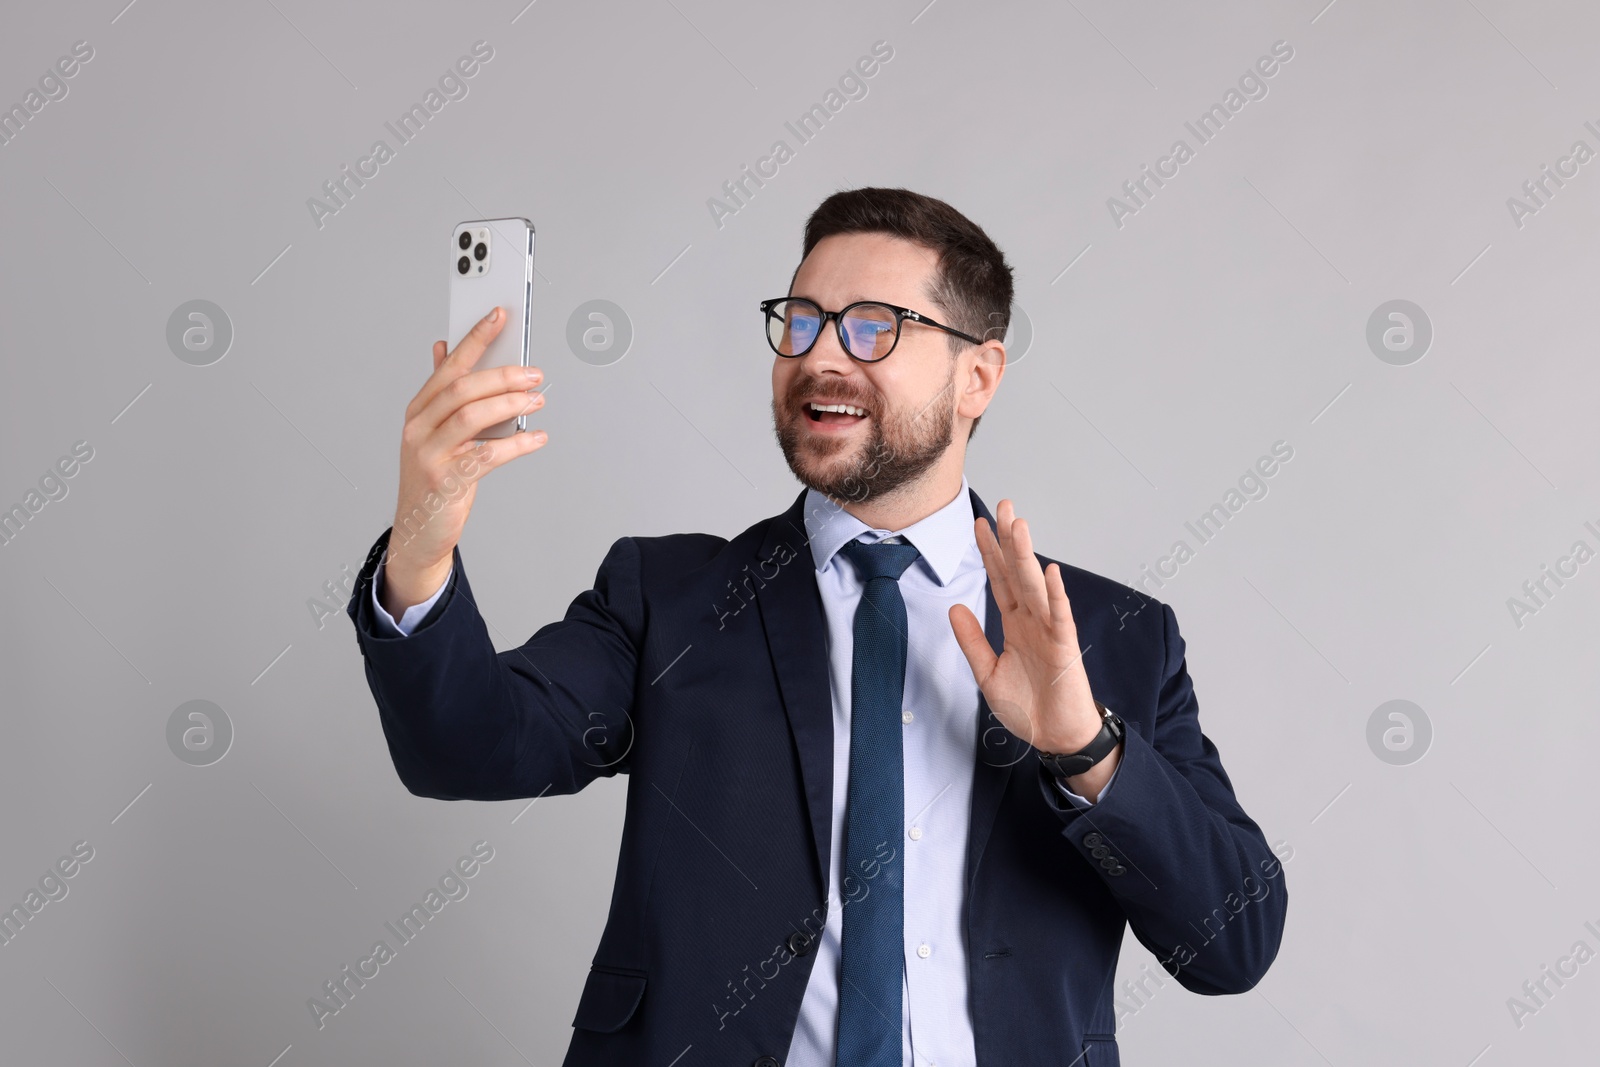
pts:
[978, 376]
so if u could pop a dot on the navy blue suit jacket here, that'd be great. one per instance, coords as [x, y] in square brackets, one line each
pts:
[698, 666]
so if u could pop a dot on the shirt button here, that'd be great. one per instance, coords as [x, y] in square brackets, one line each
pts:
[915, 832]
[924, 951]
[906, 716]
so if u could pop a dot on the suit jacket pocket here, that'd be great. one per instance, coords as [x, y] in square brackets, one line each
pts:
[1100, 1050]
[610, 997]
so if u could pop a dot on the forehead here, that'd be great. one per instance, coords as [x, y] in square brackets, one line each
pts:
[866, 266]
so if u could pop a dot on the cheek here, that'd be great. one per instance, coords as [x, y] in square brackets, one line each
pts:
[886, 388]
[907, 394]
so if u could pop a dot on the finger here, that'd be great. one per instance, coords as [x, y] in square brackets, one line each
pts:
[974, 644]
[514, 381]
[459, 361]
[480, 457]
[477, 339]
[1004, 516]
[429, 387]
[1006, 520]
[1060, 607]
[994, 564]
[480, 444]
[1029, 576]
[469, 421]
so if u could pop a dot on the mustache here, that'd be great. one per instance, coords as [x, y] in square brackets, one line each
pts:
[803, 389]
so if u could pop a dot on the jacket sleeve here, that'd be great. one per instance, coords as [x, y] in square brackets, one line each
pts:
[1194, 875]
[464, 722]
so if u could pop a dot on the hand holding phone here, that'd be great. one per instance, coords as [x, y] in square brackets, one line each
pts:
[446, 446]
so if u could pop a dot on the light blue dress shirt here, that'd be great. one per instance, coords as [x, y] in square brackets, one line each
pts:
[940, 717]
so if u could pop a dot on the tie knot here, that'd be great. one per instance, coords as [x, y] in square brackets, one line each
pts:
[880, 560]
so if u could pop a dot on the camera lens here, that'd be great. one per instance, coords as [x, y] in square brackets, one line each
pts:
[466, 240]
[463, 264]
[481, 251]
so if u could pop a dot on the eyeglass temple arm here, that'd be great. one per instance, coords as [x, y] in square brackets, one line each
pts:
[917, 317]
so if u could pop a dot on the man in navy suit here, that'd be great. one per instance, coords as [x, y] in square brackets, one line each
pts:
[897, 783]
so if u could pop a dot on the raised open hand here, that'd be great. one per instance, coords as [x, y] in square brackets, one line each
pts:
[1036, 686]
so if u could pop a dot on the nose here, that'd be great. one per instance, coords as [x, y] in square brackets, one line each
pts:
[827, 354]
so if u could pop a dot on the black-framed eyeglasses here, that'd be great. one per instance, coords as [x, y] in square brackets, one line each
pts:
[868, 329]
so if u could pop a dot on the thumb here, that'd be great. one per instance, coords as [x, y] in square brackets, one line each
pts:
[974, 643]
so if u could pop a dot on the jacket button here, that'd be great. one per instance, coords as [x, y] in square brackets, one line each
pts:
[768, 1061]
[800, 944]
[1118, 869]
[1092, 840]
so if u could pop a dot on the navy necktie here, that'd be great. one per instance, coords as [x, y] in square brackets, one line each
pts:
[872, 945]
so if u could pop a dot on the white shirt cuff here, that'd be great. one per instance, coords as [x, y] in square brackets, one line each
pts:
[412, 615]
[1085, 802]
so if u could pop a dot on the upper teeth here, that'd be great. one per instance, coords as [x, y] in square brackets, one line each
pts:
[846, 409]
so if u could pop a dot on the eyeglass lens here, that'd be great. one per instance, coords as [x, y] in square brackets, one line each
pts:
[869, 329]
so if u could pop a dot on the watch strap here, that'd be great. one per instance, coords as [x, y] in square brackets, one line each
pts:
[1067, 765]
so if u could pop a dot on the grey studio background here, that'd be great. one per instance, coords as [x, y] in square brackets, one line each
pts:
[1439, 860]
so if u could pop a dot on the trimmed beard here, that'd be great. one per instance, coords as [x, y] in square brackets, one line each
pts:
[895, 454]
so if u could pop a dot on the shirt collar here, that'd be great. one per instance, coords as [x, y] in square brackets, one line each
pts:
[943, 538]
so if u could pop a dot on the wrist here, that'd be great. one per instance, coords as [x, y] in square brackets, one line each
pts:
[1090, 783]
[407, 582]
[1070, 763]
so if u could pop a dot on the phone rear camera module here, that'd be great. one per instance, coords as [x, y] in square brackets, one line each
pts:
[481, 251]
[466, 240]
[463, 264]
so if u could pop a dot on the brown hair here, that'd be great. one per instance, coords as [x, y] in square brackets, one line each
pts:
[972, 284]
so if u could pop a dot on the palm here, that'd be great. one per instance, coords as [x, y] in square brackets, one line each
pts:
[1036, 686]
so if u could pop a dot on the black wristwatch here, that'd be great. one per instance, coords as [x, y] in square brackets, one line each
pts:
[1066, 765]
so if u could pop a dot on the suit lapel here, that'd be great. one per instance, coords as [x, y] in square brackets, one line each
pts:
[797, 637]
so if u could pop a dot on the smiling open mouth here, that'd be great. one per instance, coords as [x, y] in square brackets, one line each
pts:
[835, 414]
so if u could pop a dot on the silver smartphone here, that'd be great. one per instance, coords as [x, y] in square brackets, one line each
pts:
[491, 264]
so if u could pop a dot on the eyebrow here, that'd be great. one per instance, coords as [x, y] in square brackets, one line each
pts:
[854, 298]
